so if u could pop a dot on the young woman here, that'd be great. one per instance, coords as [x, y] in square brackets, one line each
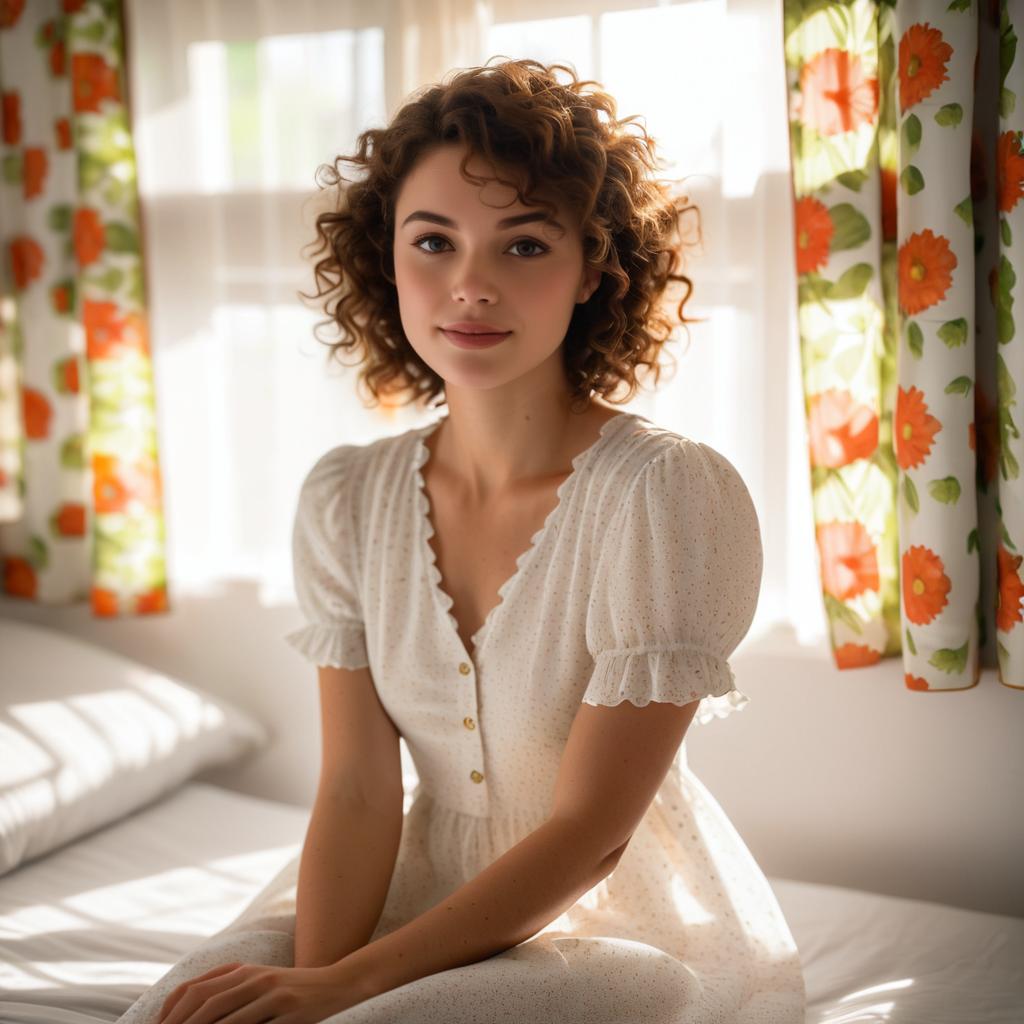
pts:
[536, 590]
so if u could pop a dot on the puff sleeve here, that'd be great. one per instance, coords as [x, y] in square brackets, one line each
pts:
[676, 585]
[324, 556]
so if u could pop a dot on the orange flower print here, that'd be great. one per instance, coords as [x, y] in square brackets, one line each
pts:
[1010, 589]
[93, 80]
[62, 132]
[57, 65]
[922, 64]
[925, 584]
[841, 429]
[20, 578]
[888, 205]
[89, 235]
[104, 602]
[926, 265]
[1009, 170]
[986, 417]
[34, 174]
[107, 334]
[814, 230]
[60, 298]
[37, 413]
[27, 259]
[915, 682]
[10, 12]
[70, 520]
[914, 428]
[67, 375]
[856, 656]
[11, 104]
[849, 560]
[117, 484]
[71, 6]
[135, 333]
[151, 601]
[109, 492]
[836, 94]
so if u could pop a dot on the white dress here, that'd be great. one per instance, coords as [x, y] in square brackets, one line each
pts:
[638, 586]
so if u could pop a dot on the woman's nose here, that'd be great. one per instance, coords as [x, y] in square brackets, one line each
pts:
[473, 283]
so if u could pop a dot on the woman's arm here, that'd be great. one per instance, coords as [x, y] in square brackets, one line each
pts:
[614, 761]
[352, 841]
[346, 866]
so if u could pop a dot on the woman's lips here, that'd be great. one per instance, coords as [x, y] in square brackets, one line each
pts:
[462, 340]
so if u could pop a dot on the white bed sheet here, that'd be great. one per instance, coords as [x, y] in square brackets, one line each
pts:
[84, 930]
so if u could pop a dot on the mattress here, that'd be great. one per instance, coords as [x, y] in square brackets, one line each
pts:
[84, 930]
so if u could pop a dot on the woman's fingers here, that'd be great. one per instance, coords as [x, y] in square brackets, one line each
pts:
[178, 993]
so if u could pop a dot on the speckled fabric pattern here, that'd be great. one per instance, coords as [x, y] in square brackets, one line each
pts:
[638, 586]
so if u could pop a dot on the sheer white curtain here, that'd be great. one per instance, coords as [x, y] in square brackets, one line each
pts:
[236, 103]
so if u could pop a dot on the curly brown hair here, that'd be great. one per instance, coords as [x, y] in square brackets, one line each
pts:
[554, 139]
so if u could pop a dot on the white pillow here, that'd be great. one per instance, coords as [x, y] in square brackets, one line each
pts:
[88, 736]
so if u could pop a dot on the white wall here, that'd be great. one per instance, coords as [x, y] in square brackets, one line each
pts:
[845, 778]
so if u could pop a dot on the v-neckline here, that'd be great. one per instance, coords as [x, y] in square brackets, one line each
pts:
[421, 455]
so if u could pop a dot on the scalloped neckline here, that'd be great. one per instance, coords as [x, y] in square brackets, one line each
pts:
[421, 455]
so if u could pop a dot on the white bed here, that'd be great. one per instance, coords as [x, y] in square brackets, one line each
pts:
[85, 928]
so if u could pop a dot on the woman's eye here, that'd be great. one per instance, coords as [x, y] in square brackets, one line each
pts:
[418, 244]
[428, 238]
[530, 241]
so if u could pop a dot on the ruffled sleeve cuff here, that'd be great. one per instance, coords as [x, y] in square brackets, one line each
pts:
[677, 674]
[337, 645]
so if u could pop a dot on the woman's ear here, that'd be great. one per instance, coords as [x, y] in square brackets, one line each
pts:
[591, 279]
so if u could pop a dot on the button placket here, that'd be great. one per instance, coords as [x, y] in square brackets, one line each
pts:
[469, 723]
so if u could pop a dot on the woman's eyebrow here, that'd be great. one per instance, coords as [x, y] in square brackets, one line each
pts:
[508, 222]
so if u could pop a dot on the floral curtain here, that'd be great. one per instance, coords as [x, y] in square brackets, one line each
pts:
[81, 514]
[907, 175]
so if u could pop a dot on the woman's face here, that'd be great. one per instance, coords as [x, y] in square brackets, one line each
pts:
[456, 261]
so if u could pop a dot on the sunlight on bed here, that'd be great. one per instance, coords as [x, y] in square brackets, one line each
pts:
[156, 902]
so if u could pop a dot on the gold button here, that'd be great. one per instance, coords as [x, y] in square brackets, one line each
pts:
[469, 723]
[464, 668]
[476, 776]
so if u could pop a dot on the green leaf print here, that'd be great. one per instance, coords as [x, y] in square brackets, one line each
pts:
[72, 452]
[852, 282]
[1005, 328]
[910, 494]
[852, 179]
[959, 5]
[950, 115]
[946, 490]
[954, 332]
[972, 541]
[58, 218]
[965, 211]
[910, 135]
[949, 660]
[915, 339]
[121, 238]
[1007, 47]
[851, 227]
[840, 612]
[12, 168]
[38, 552]
[1009, 466]
[959, 386]
[912, 180]
[1006, 539]
[911, 646]
[1004, 231]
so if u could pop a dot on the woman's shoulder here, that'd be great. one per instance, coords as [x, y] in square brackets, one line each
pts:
[669, 461]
